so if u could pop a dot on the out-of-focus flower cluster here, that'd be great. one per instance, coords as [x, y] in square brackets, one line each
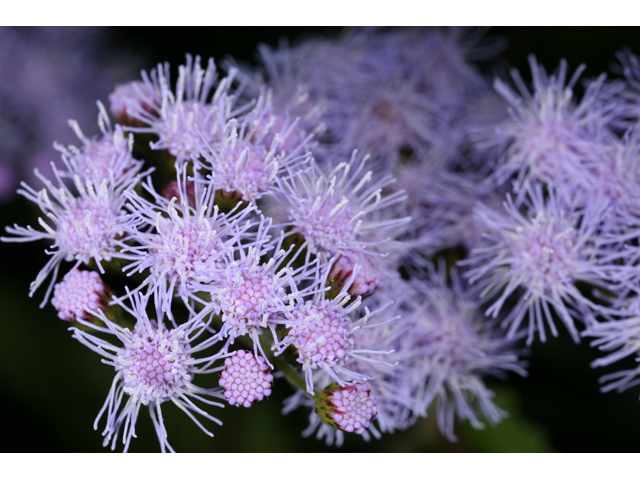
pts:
[367, 217]
[49, 75]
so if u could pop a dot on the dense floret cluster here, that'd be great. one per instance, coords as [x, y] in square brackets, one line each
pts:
[364, 217]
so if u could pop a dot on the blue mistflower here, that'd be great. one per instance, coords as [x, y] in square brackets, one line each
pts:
[153, 365]
[549, 134]
[173, 120]
[447, 349]
[182, 246]
[537, 258]
[86, 219]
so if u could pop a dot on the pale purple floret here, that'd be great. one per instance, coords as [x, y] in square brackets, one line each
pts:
[79, 292]
[109, 157]
[537, 258]
[135, 96]
[251, 151]
[177, 116]
[391, 390]
[183, 246]
[619, 338]
[88, 222]
[549, 133]
[245, 379]
[447, 349]
[256, 289]
[153, 365]
[319, 335]
[345, 210]
[321, 332]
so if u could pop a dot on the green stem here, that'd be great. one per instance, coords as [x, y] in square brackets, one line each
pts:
[291, 375]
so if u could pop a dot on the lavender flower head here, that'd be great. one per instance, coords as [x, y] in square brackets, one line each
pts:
[174, 120]
[103, 158]
[321, 331]
[250, 152]
[153, 365]
[549, 135]
[540, 254]
[341, 211]
[447, 349]
[87, 221]
[182, 246]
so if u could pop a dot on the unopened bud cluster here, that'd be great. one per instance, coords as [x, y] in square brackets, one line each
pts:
[245, 379]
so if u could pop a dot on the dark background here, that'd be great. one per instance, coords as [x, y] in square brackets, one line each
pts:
[51, 387]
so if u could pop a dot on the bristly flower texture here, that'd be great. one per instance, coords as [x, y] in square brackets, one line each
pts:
[249, 153]
[153, 365]
[540, 254]
[175, 118]
[86, 223]
[321, 330]
[549, 134]
[252, 293]
[340, 211]
[183, 246]
[271, 240]
[97, 160]
[447, 349]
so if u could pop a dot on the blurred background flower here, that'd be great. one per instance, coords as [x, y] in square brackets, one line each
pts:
[52, 387]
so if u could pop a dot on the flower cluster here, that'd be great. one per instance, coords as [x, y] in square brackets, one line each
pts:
[363, 217]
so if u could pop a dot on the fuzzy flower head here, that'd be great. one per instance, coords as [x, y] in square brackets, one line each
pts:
[86, 223]
[251, 152]
[320, 330]
[386, 395]
[80, 292]
[109, 157]
[183, 246]
[541, 255]
[245, 379]
[153, 365]
[251, 295]
[549, 134]
[342, 211]
[447, 349]
[174, 121]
